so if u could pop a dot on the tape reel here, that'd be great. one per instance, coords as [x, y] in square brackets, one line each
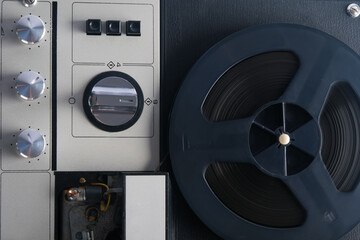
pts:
[264, 135]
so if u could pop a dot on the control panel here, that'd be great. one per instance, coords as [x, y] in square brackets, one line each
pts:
[108, 86]
[80, 92]
[104, 64]
[26, 85]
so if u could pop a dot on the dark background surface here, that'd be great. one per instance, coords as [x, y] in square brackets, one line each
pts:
[190, 27]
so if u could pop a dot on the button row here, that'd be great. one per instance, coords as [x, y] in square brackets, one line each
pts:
[113, 27]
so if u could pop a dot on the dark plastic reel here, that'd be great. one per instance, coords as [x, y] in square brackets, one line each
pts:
[196, 142]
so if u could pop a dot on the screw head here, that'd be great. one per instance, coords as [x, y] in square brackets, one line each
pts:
[29, 3]
[353, 10]
[82, 180]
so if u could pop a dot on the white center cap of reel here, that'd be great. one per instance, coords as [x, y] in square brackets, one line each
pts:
[284, 139]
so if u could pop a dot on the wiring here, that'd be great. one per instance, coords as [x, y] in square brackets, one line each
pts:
[106, 193]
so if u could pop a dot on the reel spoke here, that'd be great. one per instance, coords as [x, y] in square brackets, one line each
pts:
[219, 142]
[314, 189]
[273, 159]
[312, 82]
[301, 138]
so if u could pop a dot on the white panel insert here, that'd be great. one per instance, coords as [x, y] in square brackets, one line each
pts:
[25, 206]
[145, 207]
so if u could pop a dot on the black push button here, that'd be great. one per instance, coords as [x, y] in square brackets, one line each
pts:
[113, 28]
[93, 27]
[133, 28]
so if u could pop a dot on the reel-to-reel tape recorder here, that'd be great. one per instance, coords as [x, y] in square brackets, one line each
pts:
[259, 130]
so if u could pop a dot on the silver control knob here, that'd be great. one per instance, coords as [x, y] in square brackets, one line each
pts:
[30, 29]
[113, 101]
[30, 143]
[29, 85]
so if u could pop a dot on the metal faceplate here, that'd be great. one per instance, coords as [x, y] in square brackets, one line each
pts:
[120, 133]
[26, 74]
[26, 139]
[49, 39]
